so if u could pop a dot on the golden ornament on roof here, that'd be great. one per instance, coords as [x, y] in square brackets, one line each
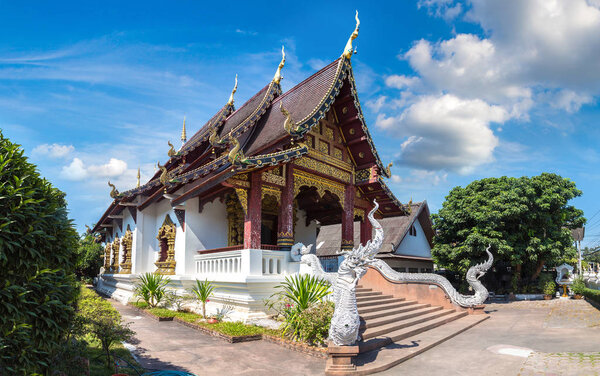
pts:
[348, 50]
[183, 134]
[388, 169]
[113, 192]
[290, 126]
[138, 178]
[230, 101]
[171, 151]
[277, 78]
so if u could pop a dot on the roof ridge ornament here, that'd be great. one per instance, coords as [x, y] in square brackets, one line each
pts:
[183, 134]
[277, 78]
[388, 170]
[138, 178]
[113, 192]
[348, 50]
[171, 152]
[230, 101]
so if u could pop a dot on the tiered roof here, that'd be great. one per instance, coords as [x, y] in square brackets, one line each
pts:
[254, 136]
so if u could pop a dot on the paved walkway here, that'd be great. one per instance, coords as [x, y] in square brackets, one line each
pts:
[170, 345]
[557, 337]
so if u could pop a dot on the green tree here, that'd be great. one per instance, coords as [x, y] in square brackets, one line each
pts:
[89, 256]
[527, 221]
[37, 260]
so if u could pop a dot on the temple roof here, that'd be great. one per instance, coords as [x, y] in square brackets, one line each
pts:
[253, 136]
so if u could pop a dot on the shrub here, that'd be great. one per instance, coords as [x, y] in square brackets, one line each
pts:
[313, 323]
[578, 286]
[89, 260]
[550, 288]
[591, 294]
[104, 322]
[152, 288]
[302, 291]
[37, 261]
[203, 291]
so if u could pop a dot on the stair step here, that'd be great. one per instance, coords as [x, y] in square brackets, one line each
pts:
[369, 344]
[368, 293]
[372, 297]
[388, 328]
[362, 289]
[389, 319]
[380, 301]
[379, 360]
[392, 311]
[386, 306]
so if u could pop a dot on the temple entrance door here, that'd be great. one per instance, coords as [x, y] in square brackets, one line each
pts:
[269, 220]
[326, 208]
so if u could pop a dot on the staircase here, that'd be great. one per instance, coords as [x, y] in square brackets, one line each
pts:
[394, 329]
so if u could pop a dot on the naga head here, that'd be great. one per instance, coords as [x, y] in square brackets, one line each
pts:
[479, 270]
[365, 254]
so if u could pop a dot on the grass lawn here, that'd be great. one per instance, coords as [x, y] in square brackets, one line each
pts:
[98, 359]
[230, 328]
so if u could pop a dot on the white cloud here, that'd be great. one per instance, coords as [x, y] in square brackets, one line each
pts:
[447, 9]
[77, 170]
[400, 81]
[54, 150]
[446, 132]
[317, 64]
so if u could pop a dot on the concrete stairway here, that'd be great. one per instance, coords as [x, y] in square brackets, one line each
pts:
[394, 329]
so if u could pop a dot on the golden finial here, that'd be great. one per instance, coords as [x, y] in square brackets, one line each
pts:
[183, 134]
[277, 78]
[171, 151]
[230, 102]
[138, 178]
[348, 50]
[113, 192]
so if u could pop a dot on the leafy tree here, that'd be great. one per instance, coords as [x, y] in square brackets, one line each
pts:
[526, 220]
[90, 256]
[37, 260]
[591, 255]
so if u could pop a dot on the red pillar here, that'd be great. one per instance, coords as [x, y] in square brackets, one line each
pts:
[285, 232]
[348, 219]
[253, 214]
[366, 230]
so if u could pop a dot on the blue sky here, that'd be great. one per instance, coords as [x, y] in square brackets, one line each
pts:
[453, 91]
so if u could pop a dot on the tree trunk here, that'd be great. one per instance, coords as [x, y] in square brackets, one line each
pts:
[203, 310]
[538, 270]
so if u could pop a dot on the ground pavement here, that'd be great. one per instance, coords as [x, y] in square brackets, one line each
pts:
[170, 345]
[558, 337]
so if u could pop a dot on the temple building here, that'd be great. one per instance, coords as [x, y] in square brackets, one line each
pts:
[250, 183]
[406, 245]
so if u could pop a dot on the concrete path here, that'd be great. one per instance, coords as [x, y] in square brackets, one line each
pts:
[557, 337]
[172, 346]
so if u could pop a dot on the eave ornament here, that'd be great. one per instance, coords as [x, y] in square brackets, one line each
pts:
[230, 101]
[388, 170]
[348, 50]
[171, 152]
[113, 193]
[236, 155]
[164, 176]
[290, 126]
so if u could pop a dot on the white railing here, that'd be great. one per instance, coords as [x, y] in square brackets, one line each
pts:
[245, 262]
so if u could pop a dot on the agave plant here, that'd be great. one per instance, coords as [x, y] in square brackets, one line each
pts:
[304, 291]
[152, 288]
[203, 291]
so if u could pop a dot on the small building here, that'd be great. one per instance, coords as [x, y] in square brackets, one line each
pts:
[406, 245]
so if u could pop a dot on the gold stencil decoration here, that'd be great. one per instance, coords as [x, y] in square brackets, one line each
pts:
[328, 133]
[359, 213]
[323, 147]
[166, 245]
[362, 175]
[302, 178]
[273, 178]
[242, 195]
[235, 220]
[107, 250]
[126, 242]
[324, 168]
[114, 265]
[337, 153]
[269, 191]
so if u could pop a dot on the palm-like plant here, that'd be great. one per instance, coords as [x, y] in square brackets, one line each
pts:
[304, 291]
[152, 288]
[203, 291]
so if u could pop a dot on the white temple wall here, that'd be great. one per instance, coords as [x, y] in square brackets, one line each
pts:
[206, 230]
[302, 233]
[149, 242]
[137, 244]
[415, 245]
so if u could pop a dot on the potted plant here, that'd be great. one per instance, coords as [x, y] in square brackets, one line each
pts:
[549, 289]
[212, 320]
[578, 287]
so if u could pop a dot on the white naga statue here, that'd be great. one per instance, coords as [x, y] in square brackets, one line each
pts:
[345, 323]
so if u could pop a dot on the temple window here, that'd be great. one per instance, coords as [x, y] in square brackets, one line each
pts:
[235, 220]
[166, 242]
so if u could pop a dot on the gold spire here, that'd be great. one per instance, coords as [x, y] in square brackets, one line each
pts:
[348, 50]
[183, 134]
[277, 78]
[230, 101]
[138, 177]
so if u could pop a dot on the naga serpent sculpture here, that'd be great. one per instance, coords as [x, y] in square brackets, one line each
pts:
[345, 323]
